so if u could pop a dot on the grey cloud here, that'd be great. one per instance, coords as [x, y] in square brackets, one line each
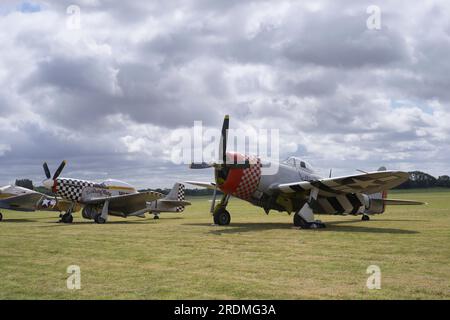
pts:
[330, 85]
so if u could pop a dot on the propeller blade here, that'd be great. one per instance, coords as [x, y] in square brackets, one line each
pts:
[202, 165]
[223, 139]
[59, 170]
[47, 170]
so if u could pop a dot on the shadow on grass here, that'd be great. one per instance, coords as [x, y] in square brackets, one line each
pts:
[331, 226]
[87, 222]
[17, 220]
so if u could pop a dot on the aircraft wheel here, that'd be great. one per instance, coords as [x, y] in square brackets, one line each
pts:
[365, 218]
[303, 224]
[300, 222]
[1, 216]
[99, 219]
[67, 218]
[222, 217]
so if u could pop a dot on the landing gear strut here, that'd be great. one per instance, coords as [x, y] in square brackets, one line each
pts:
[221, 216]
[102, 217]
[365, 217]
[304, 218]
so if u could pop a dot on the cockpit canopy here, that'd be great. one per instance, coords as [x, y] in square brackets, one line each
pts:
[298, 163]
[111, 183]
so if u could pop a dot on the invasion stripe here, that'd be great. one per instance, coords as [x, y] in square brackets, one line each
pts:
[336, 205]
[356, 203]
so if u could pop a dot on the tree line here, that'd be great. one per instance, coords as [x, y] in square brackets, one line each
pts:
[417, 180]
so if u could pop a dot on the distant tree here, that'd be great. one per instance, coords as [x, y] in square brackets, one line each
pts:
[443, 181]
[25, 183]
[419, 179]
[44, 190]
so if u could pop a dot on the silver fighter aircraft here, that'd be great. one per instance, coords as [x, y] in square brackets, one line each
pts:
[297, 188]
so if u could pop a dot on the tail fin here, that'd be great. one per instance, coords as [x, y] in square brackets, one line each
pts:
[177, 195]
[173, 202]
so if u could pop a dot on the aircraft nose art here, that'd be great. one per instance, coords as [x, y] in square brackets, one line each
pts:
[242, 183]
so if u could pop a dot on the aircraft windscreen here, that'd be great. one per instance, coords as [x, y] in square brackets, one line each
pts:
[298, 163]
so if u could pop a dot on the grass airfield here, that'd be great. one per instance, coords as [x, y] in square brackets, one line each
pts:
[182, 256]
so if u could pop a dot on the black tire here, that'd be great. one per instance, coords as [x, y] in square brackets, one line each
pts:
[222, 217]
[300, 222]
[365, 218]
[99, 219]
[67, 218]
[1, 216]
[156, 217]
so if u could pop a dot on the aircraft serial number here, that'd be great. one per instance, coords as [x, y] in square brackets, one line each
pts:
[236, 309]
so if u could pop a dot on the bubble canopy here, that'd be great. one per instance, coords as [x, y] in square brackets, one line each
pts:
[117, 184]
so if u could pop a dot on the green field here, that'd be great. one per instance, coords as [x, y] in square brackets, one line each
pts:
[256, 257]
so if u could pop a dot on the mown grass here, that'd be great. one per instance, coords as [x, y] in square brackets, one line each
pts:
[256, 257]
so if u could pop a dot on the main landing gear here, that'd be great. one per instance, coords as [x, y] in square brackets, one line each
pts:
[365, 217]
[304, 218]
[102, 217]
[67, 217]
[1, 216]
[221, 216]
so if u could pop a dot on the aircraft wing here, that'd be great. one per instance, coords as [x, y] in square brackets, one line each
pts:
[127, 203]
[372, 182]
[23, 202]
[207, 185]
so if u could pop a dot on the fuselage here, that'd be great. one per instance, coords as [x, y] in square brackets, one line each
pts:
[252, 185]
[75, 189]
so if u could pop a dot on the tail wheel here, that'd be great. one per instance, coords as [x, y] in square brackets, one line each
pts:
[222, 217]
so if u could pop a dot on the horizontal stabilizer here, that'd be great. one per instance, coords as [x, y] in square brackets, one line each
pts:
[174, 203]
[397, 202]
[207, 185]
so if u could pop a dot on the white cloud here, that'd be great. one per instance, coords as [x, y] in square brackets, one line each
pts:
[109, 96]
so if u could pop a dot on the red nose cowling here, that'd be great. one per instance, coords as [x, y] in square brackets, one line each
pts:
[242, 183]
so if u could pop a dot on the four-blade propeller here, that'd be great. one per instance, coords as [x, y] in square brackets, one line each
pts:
[50, 181]
[222, 153]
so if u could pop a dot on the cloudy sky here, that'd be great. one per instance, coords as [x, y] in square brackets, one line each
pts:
[109, 96]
